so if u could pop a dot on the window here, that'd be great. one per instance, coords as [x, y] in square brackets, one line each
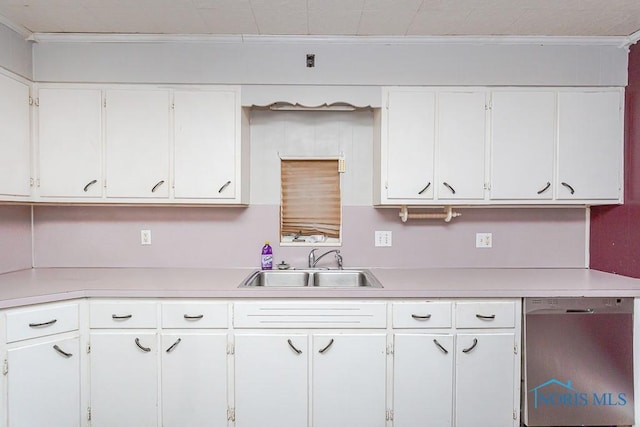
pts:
[310, 210]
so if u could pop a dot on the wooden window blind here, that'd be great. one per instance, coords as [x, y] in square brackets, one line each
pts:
[310, 198]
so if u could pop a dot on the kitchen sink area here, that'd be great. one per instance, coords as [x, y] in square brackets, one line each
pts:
[311, 278]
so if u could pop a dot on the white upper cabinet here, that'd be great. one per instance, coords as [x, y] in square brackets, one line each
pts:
[461, 145]
[590, 145]
[70, 142]
[523, 130]
[206, 144]
[15, 140]
[137, 143]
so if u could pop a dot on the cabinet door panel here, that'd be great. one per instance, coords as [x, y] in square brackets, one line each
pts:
[205, 144]
[590, 140]
[44, 385]
[485, 380]
[523, 141]
[137, 143]
[423, 380]
[70, 142]
[461, 145]
[410, 145]
[124, 379]
[15, 145]
[194, 379]
[271, 384]
[349, 380]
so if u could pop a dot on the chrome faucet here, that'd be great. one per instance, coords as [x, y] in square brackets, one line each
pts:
[313, 260]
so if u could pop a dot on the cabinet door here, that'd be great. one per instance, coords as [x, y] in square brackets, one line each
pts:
[205, 144]
[522, 145]
[70, 142]
[590, 145]
[461, 145]
[137, 143]
[271, 385]
[43, 384]
[15, 166]
[410, 145]
[349, 380]
[124, 379]
[423, 380]
[485, 380]
[194, 379]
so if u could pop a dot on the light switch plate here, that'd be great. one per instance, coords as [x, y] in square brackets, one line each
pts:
[145, 237]
[383, 238]
[484, 240]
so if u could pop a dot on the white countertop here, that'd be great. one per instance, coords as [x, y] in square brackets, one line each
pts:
[56, 284]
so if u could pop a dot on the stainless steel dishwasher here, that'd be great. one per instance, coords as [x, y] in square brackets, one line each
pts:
[578, 362]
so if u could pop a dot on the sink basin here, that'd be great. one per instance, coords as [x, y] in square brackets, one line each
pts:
[311, 279]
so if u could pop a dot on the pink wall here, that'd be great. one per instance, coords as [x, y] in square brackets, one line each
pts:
[67, 236]
[15, 238]
[615, 230]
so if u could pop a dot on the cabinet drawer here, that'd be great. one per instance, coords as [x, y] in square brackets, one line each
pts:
[427, 314]
[41, 321]
[114, 314]
[486, 314]
[310, 315]
[194, 315]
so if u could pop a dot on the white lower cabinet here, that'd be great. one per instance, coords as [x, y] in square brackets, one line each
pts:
[43, 384]
[124, 379]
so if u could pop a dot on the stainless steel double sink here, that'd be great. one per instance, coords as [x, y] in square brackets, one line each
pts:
[311, 278]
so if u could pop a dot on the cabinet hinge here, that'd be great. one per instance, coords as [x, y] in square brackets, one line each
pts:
[487, 186]
[31, 182]
[231, 414]
[104, 103]
[38, 183]
[30, 101]
[390, 349]
[89, 413]
[5, 367]
[389, 414]
[515, 349]
[88, 348]
[515, 415]
[230, 348]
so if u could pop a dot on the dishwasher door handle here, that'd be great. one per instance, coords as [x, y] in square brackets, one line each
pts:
[580, 310]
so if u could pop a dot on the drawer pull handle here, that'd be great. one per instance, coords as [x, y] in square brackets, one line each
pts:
[475, 343]
[174, 345]
[86, 187]
[155, 187]
[121, 316]
[145, 349]
[61, 351]
[545, 188]
[43, 324]
[293, 347]
[425, 188]
[419, 317]
[571, 190]
[444, 350]
[192, 317]
[322, 350]
[225, 185]
[483, 317]
[453, 191]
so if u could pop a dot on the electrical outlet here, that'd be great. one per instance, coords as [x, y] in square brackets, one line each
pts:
[484, 240]
[145, 237]
[383, 238]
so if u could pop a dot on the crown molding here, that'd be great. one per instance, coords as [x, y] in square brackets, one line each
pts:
[23, 31]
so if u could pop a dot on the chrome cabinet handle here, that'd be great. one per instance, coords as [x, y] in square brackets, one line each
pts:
[321, 351]
[121, 316]
[174, 345]
[475, 343]
[196, 317]
[86, 187]
[145, 349]
[293, 347]
[484, 317]
[43, 324]
[419, 317]
[453, 191]
[444, 350]
[546, 187]
[61, 351]
[425, 188]
[155, 187]
[568, 186]
[225, 185]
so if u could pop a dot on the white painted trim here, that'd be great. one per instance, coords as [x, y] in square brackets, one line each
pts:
[399, 40]
[633, 38]
[23, 31]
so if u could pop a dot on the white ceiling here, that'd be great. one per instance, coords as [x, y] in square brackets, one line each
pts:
[327, 17]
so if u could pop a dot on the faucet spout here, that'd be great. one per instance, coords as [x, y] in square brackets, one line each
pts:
[313, 260]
